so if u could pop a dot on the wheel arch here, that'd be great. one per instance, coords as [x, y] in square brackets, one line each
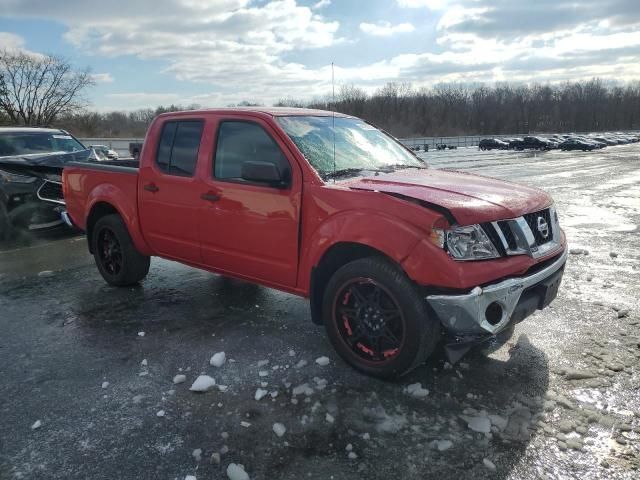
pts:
[334, 257]
[98, 210]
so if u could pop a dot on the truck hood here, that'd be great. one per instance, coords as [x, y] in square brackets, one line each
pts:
[468, 198]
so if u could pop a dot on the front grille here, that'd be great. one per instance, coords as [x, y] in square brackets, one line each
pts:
[51, 192]
[521, 235]
[532, 221]
[508, 235]
[494, 237]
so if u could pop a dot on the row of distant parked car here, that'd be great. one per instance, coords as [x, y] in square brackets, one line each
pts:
[559, 142]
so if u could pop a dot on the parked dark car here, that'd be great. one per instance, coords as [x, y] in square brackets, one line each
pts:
[534, 143]
[31, 162]
[577, 144]
[492, 144]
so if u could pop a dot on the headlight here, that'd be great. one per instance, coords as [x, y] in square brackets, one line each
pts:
[14, 178]
[467, 243]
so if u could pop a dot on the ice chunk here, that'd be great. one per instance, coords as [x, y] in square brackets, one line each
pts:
[322, 361]
[416, 390]
[443, 445]
[143, 362]
[352, 455]
[263, 373]
[236, 472]
[260, 394]
[203, 383]
[190, 477]
[218, 360]
[262, 363]
[292, 353]
[37, 424]
[279, 429]
[302, 389]
[197, 454]
[478, 424]
[489, 464]
[349, 447]
[301, 363]
[329, 418]
[141, 334]
[179, 379]
[105, 384]
[160, 413]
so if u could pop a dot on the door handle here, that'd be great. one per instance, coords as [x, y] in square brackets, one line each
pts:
[151, 187]
[210, 197]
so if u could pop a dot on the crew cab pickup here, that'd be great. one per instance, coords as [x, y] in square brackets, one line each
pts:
[393, 256]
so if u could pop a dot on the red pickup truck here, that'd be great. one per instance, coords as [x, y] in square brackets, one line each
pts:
[393, 256]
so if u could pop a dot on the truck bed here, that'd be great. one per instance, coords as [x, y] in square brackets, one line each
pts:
[86, 184]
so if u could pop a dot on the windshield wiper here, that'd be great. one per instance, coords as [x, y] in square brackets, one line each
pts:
[349, 172]
[400, 166]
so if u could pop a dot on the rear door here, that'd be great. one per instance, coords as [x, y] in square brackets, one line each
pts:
[250, 229]
[169, 190]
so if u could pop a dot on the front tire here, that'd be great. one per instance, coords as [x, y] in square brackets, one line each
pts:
[117, 259]
[376, 319]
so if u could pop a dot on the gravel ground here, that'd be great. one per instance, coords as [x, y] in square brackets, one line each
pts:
[87, 379]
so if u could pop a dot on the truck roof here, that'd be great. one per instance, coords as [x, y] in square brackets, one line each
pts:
[272, 111]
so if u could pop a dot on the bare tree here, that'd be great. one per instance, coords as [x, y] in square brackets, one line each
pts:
[35, 89]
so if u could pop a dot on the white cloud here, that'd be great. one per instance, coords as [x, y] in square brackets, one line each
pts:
[102, 77]
[10, 41]
[242, 49]
[431, 4]
[321, 4]
[385, 29]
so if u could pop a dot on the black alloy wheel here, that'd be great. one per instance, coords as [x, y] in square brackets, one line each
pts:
[369, 320]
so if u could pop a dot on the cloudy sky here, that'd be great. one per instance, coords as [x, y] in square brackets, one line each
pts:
[215, 52]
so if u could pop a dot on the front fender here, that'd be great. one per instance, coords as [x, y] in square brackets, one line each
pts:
[394, 237]
[126, 207]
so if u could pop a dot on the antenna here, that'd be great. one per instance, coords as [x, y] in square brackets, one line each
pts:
[333, 119]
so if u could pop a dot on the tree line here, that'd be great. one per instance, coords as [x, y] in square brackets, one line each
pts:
[46, 90]
[444, 110]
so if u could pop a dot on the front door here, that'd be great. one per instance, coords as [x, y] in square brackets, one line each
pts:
[170, 191]
[247, 228]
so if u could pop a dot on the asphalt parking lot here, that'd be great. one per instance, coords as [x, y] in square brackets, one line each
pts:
[94, 365]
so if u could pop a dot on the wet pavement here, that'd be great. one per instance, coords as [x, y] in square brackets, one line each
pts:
[95, 365]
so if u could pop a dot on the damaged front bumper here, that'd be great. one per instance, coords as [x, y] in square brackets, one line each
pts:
[485, 312]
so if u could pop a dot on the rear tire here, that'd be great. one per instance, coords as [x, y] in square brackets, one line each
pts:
[117, 259]
[376, 319]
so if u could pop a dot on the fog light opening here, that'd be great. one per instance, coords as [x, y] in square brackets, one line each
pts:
[493, 313]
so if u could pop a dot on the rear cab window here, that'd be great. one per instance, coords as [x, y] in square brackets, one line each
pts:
[179, 146]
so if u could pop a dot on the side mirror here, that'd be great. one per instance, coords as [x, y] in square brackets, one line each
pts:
[264, 172]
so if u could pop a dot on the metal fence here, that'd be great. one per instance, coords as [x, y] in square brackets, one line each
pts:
[120, 145]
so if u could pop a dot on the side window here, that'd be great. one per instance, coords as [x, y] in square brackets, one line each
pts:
[164, 148]
[240, 142]
[178, 148]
